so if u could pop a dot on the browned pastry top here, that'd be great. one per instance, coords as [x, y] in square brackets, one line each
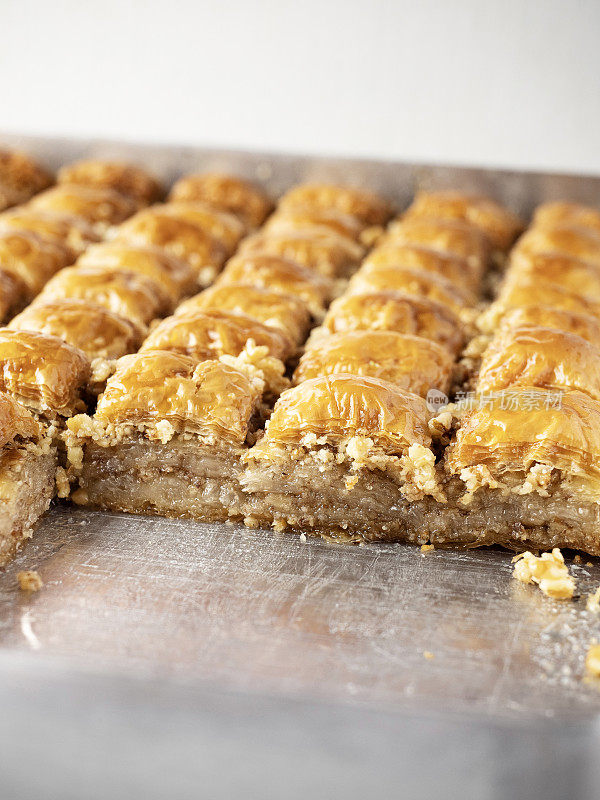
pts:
[42, 372]
[327, 253]
[223, 226]
[454, 268]
[177, 236]
[95, 330]
[527, 427]
[281, 311]
[158, 386]
[204, 335]
[582, 277]
[584, 325]
[20, 178]
[128, 179]
[31, 259]
[448, 235]
[280, 274]
[499, 224]
[544, 357]
[396, 311]
[299, 217]
[367, 207]
[227, 193]
[16, 421]
[563, 213]
[335, 407]
[75, 232]
[173, 274]
[12, 293]
[568, 240]
[128, 294]
[410, 362]
[100, 206]
[412, 281]
[523, 293]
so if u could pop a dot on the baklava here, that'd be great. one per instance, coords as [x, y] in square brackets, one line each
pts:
[168, 437]
[20, 178]
[99, 205]
[227, 193]
[74, 232]
[127, 179]
[27, 469]
[31, 260]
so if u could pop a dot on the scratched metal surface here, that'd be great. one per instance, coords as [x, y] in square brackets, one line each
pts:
[260, 647]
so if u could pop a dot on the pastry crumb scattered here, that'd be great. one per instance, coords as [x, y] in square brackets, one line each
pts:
[592, 660]
[29, 580]
[428, 655]
[302, 537]
[427, 548]
[549, 571]
[593, 601]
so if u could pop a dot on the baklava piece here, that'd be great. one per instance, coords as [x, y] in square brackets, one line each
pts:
[368, 208]
[225, 228]
[27, 468]
[499, 225]
[100, 206]
[549, 215]
[393, 311]
[20, 178]
[523, 472]
[409, 362]
[174, 275]
[284, 312]
[226, 193]
[345, 456]
[43, 373]
[281, 274]
[319, 220]
[74, 232]
[127, 179]
[168, 437]
[31, 260]
[566, 240]
[178, 237]
[129, 294]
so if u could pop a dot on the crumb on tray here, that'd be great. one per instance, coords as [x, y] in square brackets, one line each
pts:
[549, 571]
[29, 580]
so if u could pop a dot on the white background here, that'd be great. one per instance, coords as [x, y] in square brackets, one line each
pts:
[506, 83]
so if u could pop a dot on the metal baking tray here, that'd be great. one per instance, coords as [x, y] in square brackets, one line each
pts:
[167, 658]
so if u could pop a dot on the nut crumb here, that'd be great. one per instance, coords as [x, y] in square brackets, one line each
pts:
[549, 571]
[302, 537]
[29, 580]
[592, 660]
[593, 601]
[577, 559]
[427, 548]
[428, 655]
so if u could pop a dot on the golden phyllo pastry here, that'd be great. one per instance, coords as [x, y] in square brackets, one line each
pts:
[20, 178]
[454, 268]
[128, 294]
[224, 192]
[578, 242]
[174, 275]
[446, 235]
[74, 232]
[584, 325]
[329, 254]
[27, 467]
[100, 206]
[542, 357]
[409, 362]
[225, 228]
[582, 277]
[42, 372]
[365, 206]
[280, 311]
[412, 281]
[30, 259]
[127, 179]
[394, 311]
[319, 220]
[500, 226]
[95, 330]
[280, 274]
[178, 237]
[550, 215]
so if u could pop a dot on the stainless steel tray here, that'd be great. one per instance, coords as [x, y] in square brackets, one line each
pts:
[170, 658]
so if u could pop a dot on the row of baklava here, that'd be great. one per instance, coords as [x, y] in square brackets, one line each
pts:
[525, 458]
[205, 378]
